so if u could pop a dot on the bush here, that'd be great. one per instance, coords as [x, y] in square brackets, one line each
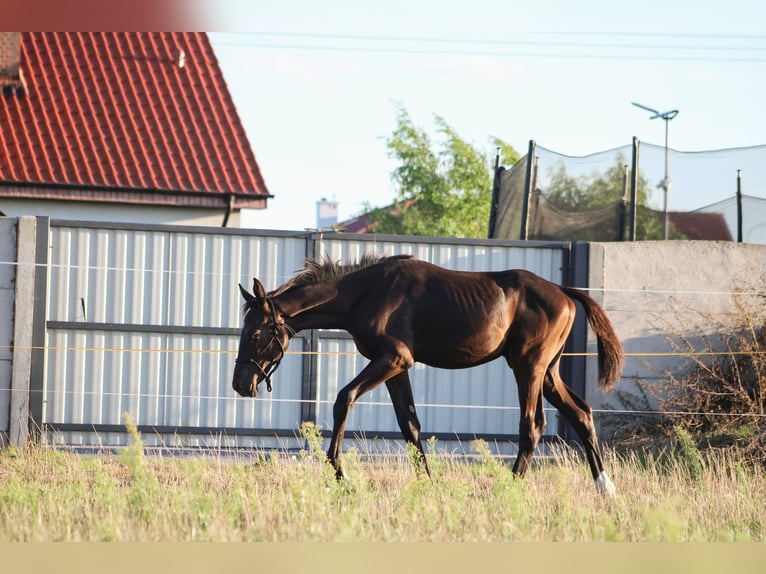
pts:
[720, 402]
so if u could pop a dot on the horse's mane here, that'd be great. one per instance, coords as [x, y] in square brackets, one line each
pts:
[325, 269]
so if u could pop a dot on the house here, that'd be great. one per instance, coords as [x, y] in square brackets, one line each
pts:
[359, 224]
[699, 225]
[362, 223]
[753, 217]
[125, 127]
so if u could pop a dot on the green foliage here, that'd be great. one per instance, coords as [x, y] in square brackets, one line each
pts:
[600, 189]
[487, 462]
[144, 487]
[312, 434]
[690, 454]
[603, 189]
[444, 186]
[416, 459]
[132, 455]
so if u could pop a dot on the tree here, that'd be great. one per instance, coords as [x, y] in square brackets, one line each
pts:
[444, 186]
[583, 194]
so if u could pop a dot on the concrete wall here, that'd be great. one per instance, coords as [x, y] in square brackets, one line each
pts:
[655, 292]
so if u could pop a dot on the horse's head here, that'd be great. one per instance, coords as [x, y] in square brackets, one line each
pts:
[262, 344]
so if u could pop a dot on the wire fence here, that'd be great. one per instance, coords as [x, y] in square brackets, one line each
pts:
[229, 352]
[368, 402]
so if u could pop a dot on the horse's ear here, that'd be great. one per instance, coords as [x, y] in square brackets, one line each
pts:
[258, 290]
[245, 295]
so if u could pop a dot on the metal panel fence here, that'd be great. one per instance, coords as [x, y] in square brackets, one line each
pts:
[145, 320]
[481, 401]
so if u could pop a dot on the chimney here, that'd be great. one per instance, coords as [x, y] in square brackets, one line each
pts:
[327, 213]
[11, 78]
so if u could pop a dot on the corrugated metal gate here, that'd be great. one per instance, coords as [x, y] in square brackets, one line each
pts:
[145, 320]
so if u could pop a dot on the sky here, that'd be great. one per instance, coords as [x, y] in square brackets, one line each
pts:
[317, 85]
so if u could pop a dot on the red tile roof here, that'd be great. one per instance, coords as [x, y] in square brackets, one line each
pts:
[114, 116]
[362, 224]
[358, 224]
[700, 225]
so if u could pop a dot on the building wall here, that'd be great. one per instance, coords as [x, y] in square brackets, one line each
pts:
[120, 213]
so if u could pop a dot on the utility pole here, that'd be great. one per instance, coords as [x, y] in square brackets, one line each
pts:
[665, 184]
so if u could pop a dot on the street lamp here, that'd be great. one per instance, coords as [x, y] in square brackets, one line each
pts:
[665, 184]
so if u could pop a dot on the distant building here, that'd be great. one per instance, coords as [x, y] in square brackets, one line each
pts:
[358, 224]
[698, 225]
[327, 214]
[753, 217]
[363, 224]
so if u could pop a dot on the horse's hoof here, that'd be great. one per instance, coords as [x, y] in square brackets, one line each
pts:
[605, 486]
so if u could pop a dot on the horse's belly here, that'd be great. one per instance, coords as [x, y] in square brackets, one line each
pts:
[455, 358]
[451, 346]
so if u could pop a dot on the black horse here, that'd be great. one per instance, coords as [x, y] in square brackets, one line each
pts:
[400, 310]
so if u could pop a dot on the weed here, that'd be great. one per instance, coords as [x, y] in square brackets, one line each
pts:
[313, 437]
[689, 454]
[144, 488]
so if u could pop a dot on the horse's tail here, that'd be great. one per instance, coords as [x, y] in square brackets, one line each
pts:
[610, 354]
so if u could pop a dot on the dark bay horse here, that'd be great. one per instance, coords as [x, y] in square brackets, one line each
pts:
[400, 310]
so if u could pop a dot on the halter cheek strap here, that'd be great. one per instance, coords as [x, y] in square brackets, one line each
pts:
[266, 375]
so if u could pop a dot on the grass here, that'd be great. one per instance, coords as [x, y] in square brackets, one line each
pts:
[684, 495]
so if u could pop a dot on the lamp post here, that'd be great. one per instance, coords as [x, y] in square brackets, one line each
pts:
[665, 184]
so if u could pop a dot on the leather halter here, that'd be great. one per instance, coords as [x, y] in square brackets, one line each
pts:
[266, 375]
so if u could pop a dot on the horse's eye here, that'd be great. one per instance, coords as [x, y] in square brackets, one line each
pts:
[254, 336]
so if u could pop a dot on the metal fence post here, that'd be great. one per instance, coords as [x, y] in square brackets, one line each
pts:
[37, 371]
[309, 383]
[495, 196]
[528, 184]
[633, 190]
[739, 206]
[574, 366]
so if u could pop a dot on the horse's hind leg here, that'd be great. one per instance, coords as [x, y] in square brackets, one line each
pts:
[400, 389]
[579, 415]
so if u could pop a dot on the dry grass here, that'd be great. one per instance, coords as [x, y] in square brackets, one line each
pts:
[719, 400]
[50, 495]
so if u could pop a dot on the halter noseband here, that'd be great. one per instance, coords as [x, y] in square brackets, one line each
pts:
[266, 375]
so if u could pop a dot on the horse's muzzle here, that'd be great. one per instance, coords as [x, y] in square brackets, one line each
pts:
[245, 380]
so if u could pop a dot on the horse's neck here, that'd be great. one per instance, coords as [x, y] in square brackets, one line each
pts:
[313, 307]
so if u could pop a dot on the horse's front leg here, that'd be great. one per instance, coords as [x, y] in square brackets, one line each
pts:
[376, 372]
[532, 423]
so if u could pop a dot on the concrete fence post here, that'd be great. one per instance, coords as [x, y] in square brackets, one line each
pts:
[23, 314]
